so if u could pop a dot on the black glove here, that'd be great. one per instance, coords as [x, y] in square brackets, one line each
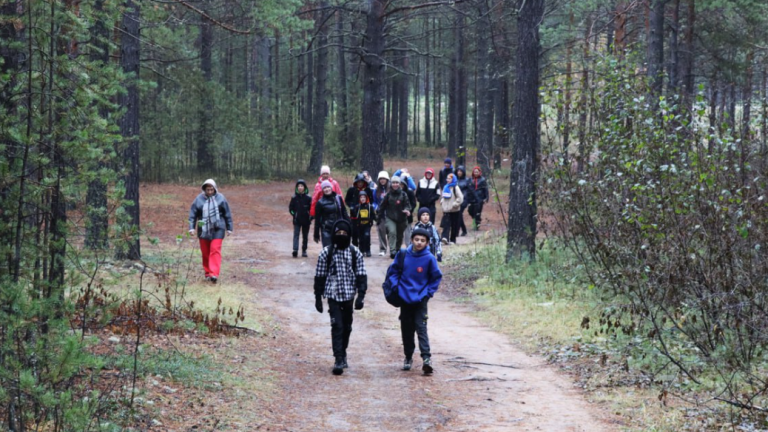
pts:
[319, 303]
[359, 301]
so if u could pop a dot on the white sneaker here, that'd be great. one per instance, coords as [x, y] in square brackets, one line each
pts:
[444, 240]
[382, 253]
[452, 243]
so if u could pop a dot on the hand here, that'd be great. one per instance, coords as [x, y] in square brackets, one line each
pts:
[229, 233]
[192, 232]
[359, 302]
[319, 303]
[407, 213]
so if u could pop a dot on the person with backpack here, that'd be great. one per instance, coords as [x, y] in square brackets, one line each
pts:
[328, 210]
[428, 192]
[378, 196]
[477, 194]
[417, 277]
[340, 274]
[325, 175]
[395, 208]
[463, 183]
[451, 203]
[299, 209]
[409, 187]
[435, 245]
[211, 220]
[447, 169]
[353, 193]
[363, 216]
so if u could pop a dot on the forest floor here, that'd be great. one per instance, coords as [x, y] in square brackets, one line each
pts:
[279, 378]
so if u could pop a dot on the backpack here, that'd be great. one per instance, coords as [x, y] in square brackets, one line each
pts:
[391, 293]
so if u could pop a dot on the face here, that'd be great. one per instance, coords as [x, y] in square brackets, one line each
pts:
[300, 188]
[419, 243]
[460, 172]
[424, 218]
[449, 178]
[367, 176]
[395, 185]
[325, 176]
[341, 233]
[327, 190]
[383, 181]
[476, 172]
[428, 175]
[360, 185]
[363, 199]
[209, 190]
[447, 165]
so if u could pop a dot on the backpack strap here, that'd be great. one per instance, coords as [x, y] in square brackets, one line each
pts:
[332, 252]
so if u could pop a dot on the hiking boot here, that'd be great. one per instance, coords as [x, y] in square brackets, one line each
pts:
[367, 254]
[207, 278]
[463, 233]
[391, 256]
[344, 363]
[295, 254]
[338, 366]
[304, 254]
[407, 364]
[427, 367]
[214, 279]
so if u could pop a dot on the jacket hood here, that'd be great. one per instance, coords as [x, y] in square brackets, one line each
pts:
[479, 169]
[210, 182]
[463, 172]
[382, 174]
[413, 252]
[301, 182]
[342, 224]
[360, 178]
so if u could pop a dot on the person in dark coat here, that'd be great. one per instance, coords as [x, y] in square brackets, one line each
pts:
[340, 274]
[363, 216]
[409, 187]
[447, 169]
[477, 194]
[360, 184]
[428, 192]
[328, 210]
[381, 227]
[463, 184]
[211, 220]
[395, 208]
[417, 280]
[299, 207]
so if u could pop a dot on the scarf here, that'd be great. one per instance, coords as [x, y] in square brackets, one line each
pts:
[447, 189]
[211, 217]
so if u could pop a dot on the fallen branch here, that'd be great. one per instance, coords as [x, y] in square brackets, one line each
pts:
[485, 364]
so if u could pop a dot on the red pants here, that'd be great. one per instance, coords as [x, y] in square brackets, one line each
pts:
[211, 250]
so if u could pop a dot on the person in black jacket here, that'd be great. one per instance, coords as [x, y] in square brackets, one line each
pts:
[447, 169]
[405, 181]
[328, 209]
[477, 195]
[463, 184]
[395, 207]
[211, 220]
[360, 184]
[299, 208]
[428, 192]
[363, 216]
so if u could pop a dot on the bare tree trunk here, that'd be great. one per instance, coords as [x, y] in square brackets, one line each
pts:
[129, 123]
[568, 90]
[342, 95]
[483, 94]
[521, 234]
[656, 49]
[620, 28]
[205, 162]
[402, 139]
[427, 71]
[321, 73]
[674, 50]
[747, 97]
[583, 101]
[686, 72]
[373, 89]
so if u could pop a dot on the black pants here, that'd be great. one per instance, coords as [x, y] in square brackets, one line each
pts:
[451, 225]
[304, 230]
[362, 237]
[461, 221]
[413, 319]
[476, 211]
[341, 325]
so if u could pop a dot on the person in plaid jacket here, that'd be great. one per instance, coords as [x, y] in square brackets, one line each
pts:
[340, 274]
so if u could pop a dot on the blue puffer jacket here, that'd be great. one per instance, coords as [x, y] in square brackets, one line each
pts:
[420, 275]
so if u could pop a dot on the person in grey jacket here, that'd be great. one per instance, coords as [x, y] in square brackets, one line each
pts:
[211, 220]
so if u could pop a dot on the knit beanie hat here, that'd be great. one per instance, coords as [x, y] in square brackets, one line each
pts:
[447, 160]
[326, 184]
[395, 179]
[423, 210]
[342, 224]
[325, 169]
[421, 232]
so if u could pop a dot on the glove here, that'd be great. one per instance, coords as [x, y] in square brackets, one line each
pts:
[192, 232]
[440, 258]
[360, 301]
[319, 303]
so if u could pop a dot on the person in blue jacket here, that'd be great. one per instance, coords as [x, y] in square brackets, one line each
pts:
[417, 276]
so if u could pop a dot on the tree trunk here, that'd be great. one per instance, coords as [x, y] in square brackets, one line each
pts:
[686, 70]
[342, 95]
[427, 70]
[373, 89]
[620, 28]
[674, 54]
[394, 120]
[656, 49]
[568, 89]
[205, 162]
[457, 94]
[309, 115]
[521, 234]
[402, 139]
[583, 102]
[484, 95]
[321, 73]
[747, 97]
[129, 124]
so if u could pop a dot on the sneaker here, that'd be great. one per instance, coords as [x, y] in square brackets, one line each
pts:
[391, 256]
[214, 279]
[207, 278]
[295, 254]
[304, 254]
[344, 363]
[407, 364]
[338, 366]
[367, 254]
[382, 254]
[463, 233]
[452, 243]
[427, 367]
[444, 240]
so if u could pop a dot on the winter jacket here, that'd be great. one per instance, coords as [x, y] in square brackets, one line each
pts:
[462, 182]
[300, 205]
[443, 176]
[477, 190]
[420, 276]
[393, 204]
[225, 215]
[353, 193]
[405, 179]
[435, 246]
[328, 210]
[427, 192]
[363, 214]
[318, 193]
[380, 190]
[452, 204]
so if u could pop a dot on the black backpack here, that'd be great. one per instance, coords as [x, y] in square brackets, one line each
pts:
[391, 292]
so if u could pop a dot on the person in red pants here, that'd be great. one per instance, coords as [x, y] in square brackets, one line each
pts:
[211, 219]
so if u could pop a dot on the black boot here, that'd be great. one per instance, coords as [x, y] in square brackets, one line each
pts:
[303, 254]
[338, 366]
[344, 363]
[295, 254]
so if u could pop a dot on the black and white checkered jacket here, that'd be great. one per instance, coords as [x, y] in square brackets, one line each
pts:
[338, 281]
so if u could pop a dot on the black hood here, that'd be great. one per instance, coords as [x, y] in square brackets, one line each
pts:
[360, 177]
[302, 182]
[342, 224]
[463, 172]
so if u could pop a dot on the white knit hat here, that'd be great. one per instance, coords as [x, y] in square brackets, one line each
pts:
[325, 169]
[383, 174]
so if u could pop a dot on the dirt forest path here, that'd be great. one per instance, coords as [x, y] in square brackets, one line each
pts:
[481, 382]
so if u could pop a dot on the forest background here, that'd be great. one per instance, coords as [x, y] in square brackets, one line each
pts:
[635, 132]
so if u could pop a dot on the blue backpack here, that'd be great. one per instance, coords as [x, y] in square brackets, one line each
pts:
[391, 292]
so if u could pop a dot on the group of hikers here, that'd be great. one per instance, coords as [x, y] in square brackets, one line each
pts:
[344, 225]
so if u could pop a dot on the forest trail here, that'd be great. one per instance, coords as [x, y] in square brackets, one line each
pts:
[481, 381]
